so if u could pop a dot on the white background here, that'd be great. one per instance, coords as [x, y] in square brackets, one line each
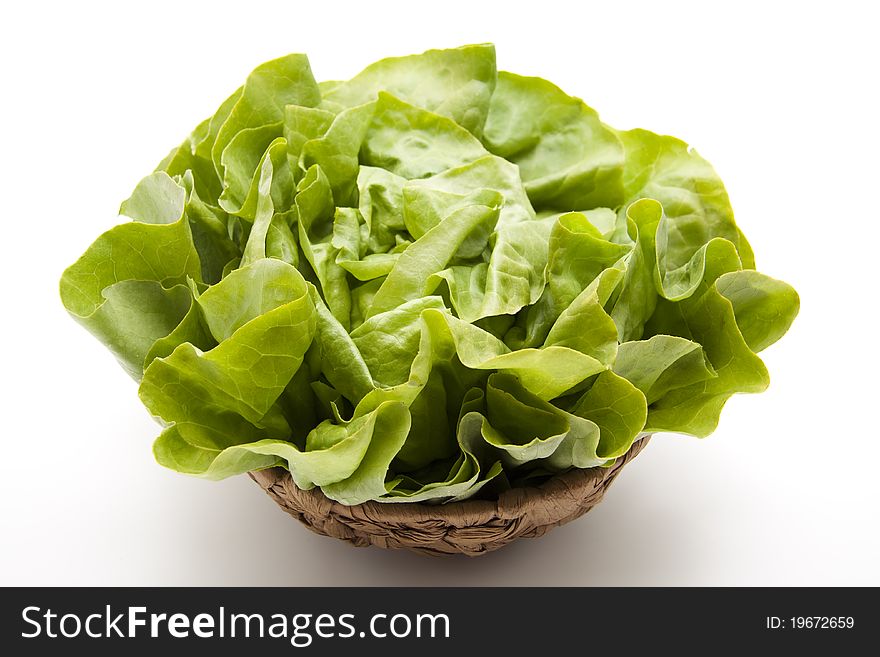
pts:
[781, 98]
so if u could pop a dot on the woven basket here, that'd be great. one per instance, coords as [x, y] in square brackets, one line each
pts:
[472, 527]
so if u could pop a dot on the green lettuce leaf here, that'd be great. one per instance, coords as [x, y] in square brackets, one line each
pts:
[129, 288]
[567, 157]
[461, 83]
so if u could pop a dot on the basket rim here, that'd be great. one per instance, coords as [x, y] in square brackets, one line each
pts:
[514, 503]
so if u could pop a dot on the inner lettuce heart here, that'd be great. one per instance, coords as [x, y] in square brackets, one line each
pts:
[429, 282]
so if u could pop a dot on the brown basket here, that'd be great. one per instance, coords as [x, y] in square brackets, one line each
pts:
[472, 527]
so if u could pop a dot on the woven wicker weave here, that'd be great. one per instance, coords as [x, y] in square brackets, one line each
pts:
[473, 527]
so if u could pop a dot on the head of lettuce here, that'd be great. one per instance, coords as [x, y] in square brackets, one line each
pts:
[427, 281]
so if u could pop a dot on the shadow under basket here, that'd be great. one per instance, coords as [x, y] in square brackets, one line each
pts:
[472, 527]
